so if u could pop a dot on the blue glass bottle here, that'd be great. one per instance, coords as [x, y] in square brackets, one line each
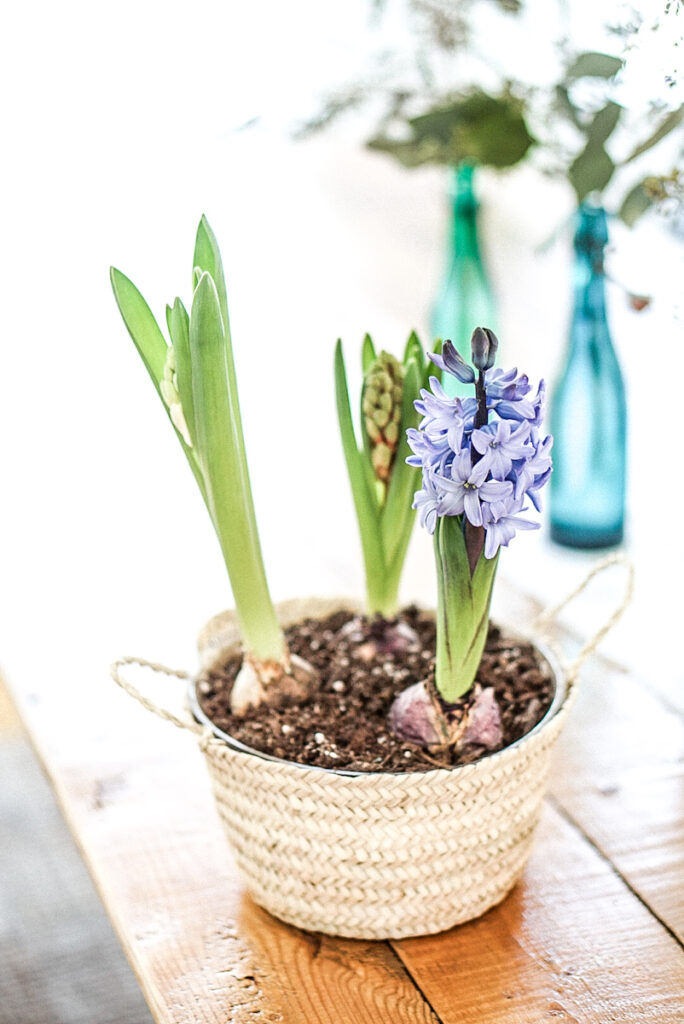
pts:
[465, 300]
[589, 409]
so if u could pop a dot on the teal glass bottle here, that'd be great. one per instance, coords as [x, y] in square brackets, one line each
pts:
[465, 299]
[589, 409]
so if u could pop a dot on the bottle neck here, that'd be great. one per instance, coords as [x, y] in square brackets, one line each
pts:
[464, 207]
[590, 292]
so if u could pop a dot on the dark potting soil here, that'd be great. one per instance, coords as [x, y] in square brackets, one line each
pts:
[344, 723]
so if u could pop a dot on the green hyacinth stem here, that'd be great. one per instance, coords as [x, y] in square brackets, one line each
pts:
[221, 450]
[463, 602]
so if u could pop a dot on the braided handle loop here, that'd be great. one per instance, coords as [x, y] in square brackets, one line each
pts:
[149, 705]
[545, 620]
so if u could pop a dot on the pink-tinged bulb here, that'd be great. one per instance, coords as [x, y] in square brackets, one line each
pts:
[414, 717]
[484, 722]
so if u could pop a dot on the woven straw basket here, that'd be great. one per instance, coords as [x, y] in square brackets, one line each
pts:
[375, 855]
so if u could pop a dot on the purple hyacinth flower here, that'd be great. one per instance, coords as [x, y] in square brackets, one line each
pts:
[501, 521]
[425, 501]
[533, 473]
[439, 410]
[453, 363]
[505, 384]
[500, 444]
[467, 487]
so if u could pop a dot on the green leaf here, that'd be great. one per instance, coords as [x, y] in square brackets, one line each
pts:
[594, 65]
[590, 171]
[141, 325]
[414, 351]
[365, 502]
[368, 355]
[207, 257]
[637, 201]
[462, 609]
[477, 128]
[604, 124]
[151, 345]
[180, 336]
[566, 106]
[672, 121]
[221, 450]
[398, 516]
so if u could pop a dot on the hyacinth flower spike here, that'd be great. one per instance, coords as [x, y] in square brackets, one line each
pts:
[482, 458]
[195, 378]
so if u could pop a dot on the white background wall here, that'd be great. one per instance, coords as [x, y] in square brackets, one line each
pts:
[118, 132]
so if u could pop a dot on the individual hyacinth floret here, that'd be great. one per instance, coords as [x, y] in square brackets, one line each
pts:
[482, 457]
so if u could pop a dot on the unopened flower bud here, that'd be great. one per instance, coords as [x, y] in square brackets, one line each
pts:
[484, 344]
[381, 407]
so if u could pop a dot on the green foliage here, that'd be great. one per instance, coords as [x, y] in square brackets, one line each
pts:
[195, 378]
[593, 169]
[593, 65]
[476, 128]
[382, 500]
[463, 603]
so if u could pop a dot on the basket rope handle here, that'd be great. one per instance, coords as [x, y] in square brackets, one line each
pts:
[545, 620]
[116, 671]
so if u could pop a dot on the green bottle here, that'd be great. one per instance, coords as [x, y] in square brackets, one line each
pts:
[465, 299]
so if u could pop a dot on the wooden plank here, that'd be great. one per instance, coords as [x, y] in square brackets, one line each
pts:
[618, 775]
[617, 772]
[203, 952]
[60, 962]
[10, 724]
[571, 943]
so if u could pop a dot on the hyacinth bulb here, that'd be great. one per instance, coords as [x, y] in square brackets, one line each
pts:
[381, 402]
[419, 717]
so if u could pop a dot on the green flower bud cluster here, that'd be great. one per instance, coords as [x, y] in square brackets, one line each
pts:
[168, 386]
[381, 400]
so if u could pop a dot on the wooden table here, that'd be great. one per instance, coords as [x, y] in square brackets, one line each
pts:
[592, 933]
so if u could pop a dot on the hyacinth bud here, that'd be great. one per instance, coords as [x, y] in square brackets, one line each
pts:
[484, 344]
[381, 407]
[168, 386]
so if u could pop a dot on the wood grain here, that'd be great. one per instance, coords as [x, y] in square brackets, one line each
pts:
[571, 943]
[618, 775]
[201, 949]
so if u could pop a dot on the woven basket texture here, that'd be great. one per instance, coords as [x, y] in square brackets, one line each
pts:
[376, 856]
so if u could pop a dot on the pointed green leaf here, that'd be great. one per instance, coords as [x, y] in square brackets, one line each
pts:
[398, 516]
[590, 171]
[604, 124]
[365, 502]
[414, 350]
[208, 258]
[566, 106]
[368, 355]
[151, 345]
[220, 446]
[141, 325]
[636, 202]
[594, 65]
[180, 336]
[672, 121]
[463, 609]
